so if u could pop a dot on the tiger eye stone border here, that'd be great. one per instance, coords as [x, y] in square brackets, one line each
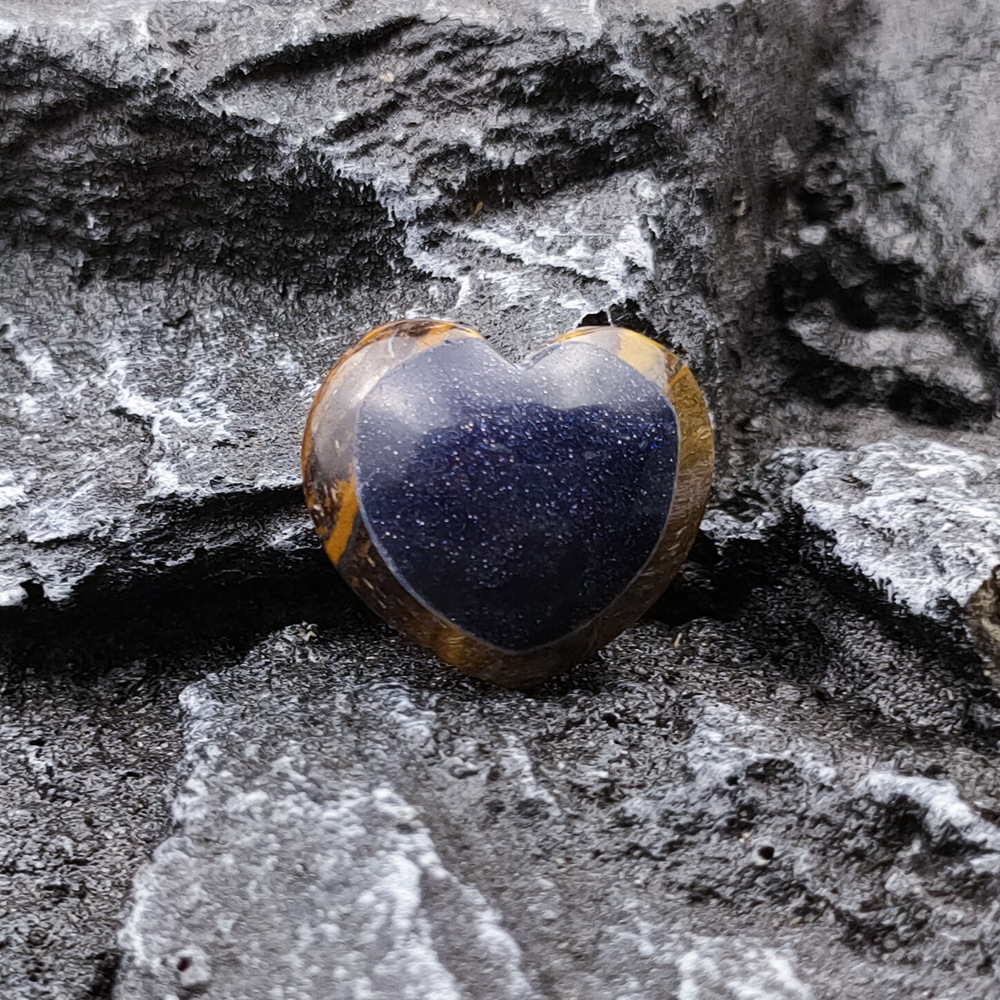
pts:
[331, 492]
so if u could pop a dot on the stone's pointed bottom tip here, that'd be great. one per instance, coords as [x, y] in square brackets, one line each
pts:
[511, 518]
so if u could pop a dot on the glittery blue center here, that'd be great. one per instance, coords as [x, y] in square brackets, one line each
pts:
[517, 502]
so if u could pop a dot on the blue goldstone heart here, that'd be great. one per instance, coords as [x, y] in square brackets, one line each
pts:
[516, 501]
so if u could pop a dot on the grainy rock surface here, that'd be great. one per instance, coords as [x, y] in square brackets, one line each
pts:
[83, 802]
[783, 784]
[674, 820]
[919, 519]
[203, 206]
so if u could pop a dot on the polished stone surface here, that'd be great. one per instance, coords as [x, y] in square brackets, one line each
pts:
[516, 502]
[512, 518]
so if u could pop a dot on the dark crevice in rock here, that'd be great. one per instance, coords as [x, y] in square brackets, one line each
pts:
[581, 79]
[832, 638]
[838, 640]
[215, 601]
[863, 291]
[717, 585]
[364, 121]
[827, 629]
[231, 598]
[102, 987]
[139, 605]
[631, 315]
[68, 94]
[806, 291]
[561, 158]
[935, 405]
[319, 55]
[833, 383]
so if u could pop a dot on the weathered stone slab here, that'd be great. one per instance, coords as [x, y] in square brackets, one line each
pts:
[918, 519]
[202, 206]
[358, 821]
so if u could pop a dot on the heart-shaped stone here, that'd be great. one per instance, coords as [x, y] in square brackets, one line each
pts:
[513, 518]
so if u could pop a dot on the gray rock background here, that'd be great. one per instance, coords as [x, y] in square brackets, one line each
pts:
[782, 784]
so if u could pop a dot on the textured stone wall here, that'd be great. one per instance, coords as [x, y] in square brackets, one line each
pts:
[782, 784]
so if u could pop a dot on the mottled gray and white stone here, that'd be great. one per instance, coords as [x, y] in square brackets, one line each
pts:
[203, 204]
[918, 519]
[358, 822]
[929, 357]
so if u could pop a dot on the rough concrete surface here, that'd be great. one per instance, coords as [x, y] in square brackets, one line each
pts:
[782, 784]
